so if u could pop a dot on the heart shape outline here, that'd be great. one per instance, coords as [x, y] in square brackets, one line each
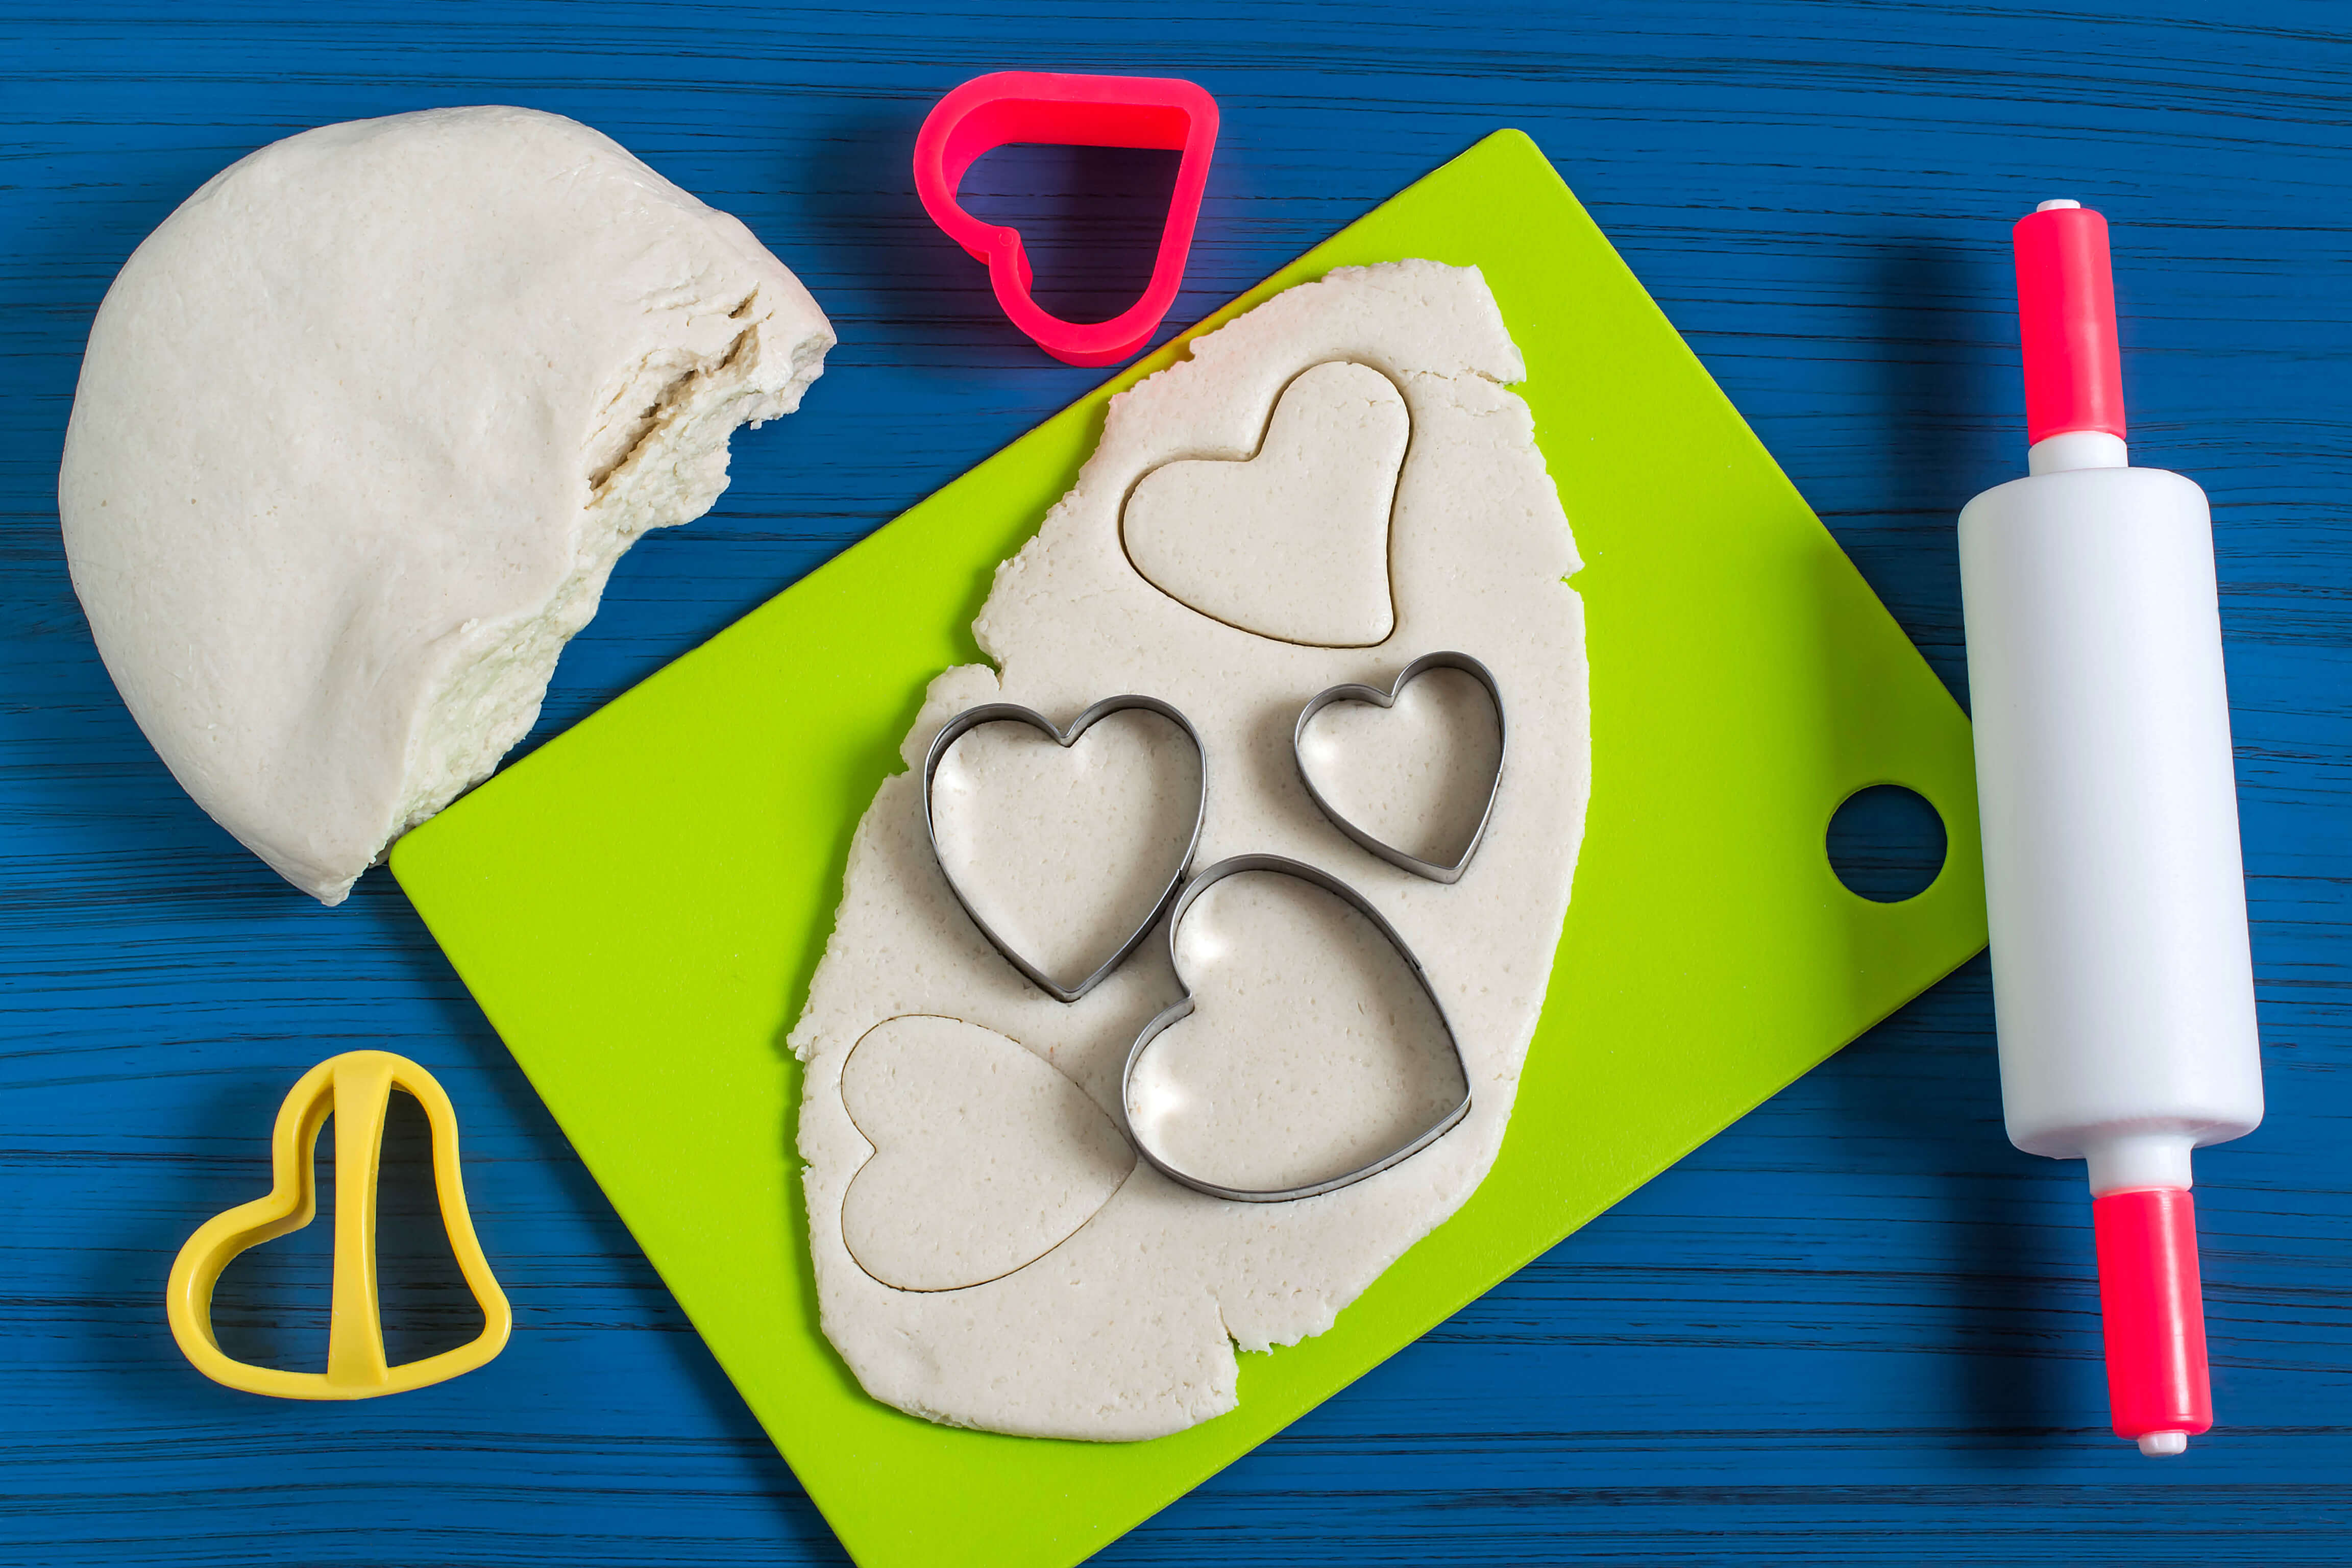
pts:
[874, 1138]
[1183, 1007]
[1357, 692]
[1278, 439]
[987, 111]
[971, 718]
[356, 1087]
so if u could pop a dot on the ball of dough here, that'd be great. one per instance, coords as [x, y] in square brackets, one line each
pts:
[362, 429]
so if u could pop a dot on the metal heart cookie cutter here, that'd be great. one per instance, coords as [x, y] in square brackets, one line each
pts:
[971, 718]
[1183, 1008]
[1447, 660]
[989, 112]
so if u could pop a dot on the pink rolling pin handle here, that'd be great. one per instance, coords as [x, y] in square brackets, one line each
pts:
[2066, 322]
[2154, 1314]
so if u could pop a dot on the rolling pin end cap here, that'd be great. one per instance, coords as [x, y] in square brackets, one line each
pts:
[2152, 1311]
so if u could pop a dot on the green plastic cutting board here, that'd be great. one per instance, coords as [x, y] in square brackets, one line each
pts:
[639, 904]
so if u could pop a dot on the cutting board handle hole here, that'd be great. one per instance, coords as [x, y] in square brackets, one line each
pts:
[1886, 843]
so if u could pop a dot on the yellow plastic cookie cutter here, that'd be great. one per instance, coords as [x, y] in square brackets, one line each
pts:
[356, 1090]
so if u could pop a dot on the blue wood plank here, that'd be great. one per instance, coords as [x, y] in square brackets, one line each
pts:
[1856, 1329]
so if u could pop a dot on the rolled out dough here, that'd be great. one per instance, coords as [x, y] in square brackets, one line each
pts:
[1127, 1330]
[362, 428]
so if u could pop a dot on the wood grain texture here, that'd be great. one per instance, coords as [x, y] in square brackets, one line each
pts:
[1856, 1329]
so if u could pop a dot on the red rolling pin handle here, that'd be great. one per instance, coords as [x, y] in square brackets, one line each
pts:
[2066, 321]
[2154, 1316]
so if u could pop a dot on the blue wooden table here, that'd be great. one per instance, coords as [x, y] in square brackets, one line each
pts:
[1858, 1328]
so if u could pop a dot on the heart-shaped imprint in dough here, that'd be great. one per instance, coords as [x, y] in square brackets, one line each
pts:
[1063, 845]
[1293, 542]
[985, 1158]
[1411, 773]
[1309, 1050]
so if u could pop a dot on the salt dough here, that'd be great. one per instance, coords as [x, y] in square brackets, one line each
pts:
[1127, 1329]
[1065, 850]
[362, 429]
[1415, 775]
[1293, 543]
[985, 1157]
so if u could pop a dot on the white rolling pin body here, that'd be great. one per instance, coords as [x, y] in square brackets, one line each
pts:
[2121, 974]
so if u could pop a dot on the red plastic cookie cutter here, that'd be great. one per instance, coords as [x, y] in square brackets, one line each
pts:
[989, 112]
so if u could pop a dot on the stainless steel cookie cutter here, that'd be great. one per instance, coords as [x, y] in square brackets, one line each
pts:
[1353, 692]
[971, 718]
[1183, 1008]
